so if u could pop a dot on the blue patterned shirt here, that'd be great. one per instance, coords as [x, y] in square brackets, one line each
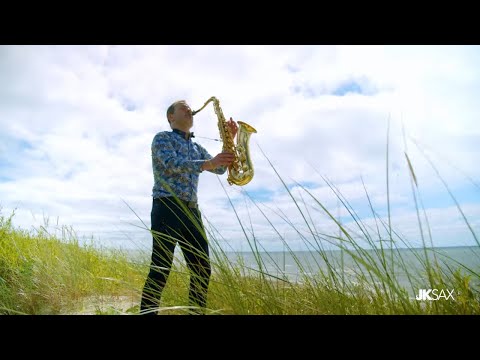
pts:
[177, 161]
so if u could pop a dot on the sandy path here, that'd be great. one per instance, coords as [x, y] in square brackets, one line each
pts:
[106, 305]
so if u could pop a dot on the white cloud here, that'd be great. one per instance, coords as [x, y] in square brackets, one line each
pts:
[77, 124]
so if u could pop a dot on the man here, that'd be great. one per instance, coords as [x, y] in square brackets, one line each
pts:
[177, 162]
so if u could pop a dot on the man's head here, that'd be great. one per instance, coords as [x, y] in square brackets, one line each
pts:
[179, 115]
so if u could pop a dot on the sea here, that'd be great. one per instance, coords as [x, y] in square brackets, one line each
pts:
[407, 265]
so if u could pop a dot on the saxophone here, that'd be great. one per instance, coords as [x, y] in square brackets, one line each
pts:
[240, 172]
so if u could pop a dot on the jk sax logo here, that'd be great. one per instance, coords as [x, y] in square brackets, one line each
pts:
[434, 294]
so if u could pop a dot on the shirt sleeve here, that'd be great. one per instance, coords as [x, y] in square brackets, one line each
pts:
[219, 170]
[165, 155]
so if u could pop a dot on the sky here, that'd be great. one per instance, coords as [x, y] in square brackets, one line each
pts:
[77, 123]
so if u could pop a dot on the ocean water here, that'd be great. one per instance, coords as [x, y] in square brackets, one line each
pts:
[407, 265]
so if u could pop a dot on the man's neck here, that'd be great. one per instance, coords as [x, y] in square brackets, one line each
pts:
[186, 130]
[186, 134]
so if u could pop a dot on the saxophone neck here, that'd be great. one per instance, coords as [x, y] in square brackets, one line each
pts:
[213, 98]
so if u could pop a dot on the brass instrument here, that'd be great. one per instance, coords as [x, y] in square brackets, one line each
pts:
[240, 172]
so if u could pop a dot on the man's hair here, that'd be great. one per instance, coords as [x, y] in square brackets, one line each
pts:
[171, 108]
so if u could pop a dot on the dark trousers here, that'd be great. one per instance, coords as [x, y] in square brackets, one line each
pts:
[172, 223]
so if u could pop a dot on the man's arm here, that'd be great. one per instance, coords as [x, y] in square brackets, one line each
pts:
[208, 165]
[164, 154]
[218, 164]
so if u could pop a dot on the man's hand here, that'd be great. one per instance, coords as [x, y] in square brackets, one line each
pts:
[221, 159]
[232, 125]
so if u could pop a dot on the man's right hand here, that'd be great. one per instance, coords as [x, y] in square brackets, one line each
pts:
[222, 159]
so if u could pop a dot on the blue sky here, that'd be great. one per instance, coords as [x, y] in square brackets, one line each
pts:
[77, 124]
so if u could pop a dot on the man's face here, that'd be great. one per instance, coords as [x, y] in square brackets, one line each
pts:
[182, 115]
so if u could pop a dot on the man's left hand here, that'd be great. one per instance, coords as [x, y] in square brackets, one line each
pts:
[232, 125]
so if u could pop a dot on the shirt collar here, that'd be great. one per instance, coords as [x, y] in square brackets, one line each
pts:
[184, 134]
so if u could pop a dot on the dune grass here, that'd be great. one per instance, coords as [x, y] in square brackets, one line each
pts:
[46, 274]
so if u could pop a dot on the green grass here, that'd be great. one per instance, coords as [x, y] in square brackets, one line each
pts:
[45, 274]
[42, 274]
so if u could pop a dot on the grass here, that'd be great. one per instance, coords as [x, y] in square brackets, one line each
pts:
[42, 273]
